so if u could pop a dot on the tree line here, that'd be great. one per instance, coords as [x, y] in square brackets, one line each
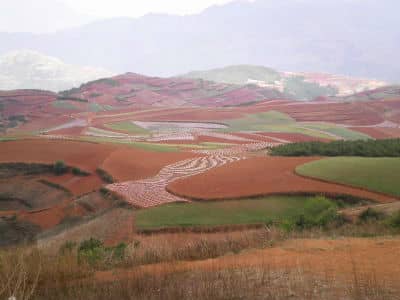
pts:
[367, 148]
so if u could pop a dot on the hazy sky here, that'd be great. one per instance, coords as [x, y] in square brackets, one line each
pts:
[39, 16]
[135, 8]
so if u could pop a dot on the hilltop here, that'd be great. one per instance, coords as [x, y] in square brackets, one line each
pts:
[192, 99]
[26, 69]
[302, 86]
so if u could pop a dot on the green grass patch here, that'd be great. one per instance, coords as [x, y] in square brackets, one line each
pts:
[375, 174]
[273, 121]
[141, 145]
[231, 212]
[156, 147]
[64, 105]
[127, 126]
[95, 107]
[341, 132]
[7, 139]
[259, 121]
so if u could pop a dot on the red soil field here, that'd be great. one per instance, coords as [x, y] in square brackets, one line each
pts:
[77, 185]
[87, 156]
[378, 132]
[123, 162]
[212, 139]
[340, 112]
[51, 217]
[40, 121]
[133, 164]
[258, 176]
[365, 113]
[48, 218]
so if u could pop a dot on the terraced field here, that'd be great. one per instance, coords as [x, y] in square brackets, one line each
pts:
[260, 176]
[152, 192]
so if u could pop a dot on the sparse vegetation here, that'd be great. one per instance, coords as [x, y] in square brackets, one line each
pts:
[371, 214]
[14, 169]
[394, 220]
[78, 172]
[14, 231]
[60, 168]
[69, 98]
[303, 90]
[67, 247]
[17, 118]
[149, 269]
[104, 175]
[54, 185]
[95, 95]
[94, 252]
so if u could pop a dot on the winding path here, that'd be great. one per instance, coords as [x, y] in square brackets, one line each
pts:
[152, 191]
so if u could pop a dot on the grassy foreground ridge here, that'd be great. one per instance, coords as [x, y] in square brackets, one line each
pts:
[279, 209]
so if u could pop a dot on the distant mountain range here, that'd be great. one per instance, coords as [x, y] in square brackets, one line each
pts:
[32, 70]
[40, 16]
[301, 86]
[352, 37]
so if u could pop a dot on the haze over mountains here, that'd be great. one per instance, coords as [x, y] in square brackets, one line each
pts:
[39, 16]
[351, 37]
[302, 86]
[31, 70]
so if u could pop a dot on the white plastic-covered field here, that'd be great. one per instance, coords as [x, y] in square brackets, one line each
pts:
[182, 126]
[70, 124]
[239, 149]
[152, 191]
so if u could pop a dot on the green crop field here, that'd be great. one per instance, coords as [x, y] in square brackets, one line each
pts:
[127, 126]
[274, 121]
[260, 120]
[375, 174]
[338, 131]
[244, 211]
[142, 145]
[7, 139]
[64, 105]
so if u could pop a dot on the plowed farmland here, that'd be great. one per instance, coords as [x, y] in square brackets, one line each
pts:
[261, 176]
[133, 164]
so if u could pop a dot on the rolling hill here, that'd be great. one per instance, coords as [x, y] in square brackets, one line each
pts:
[115, 99]
[303, 86]
[27, 69]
